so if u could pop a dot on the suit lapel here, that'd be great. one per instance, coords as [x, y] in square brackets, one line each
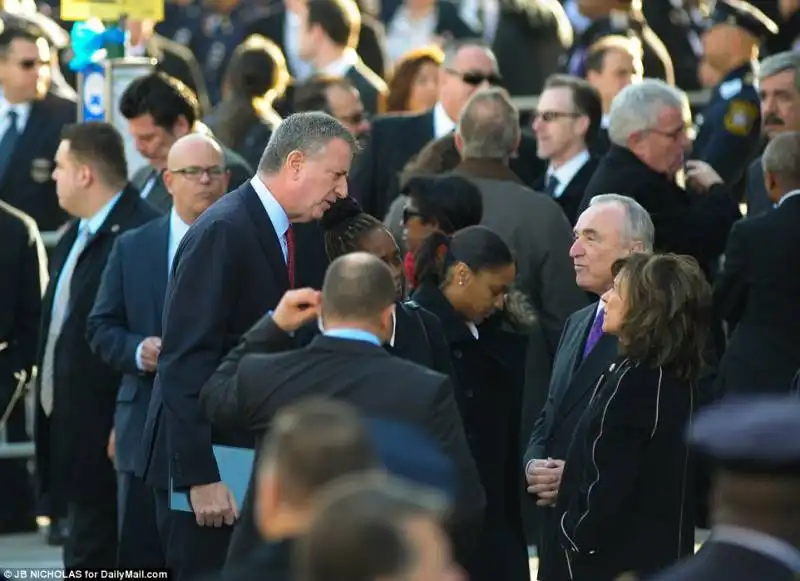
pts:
[265, 232]
[589, 371]
[36, 125]
[159, 251]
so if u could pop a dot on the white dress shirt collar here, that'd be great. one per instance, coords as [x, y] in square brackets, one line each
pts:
[94, 223]
[342, 65]
[277, 215]
[23, 111]
[442, 124]
[394, 327]
[786, 196]
[567, 171]
[177, 230]
[473, 329]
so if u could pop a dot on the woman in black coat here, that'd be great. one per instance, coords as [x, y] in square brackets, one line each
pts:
[464, 280]
[625, 501]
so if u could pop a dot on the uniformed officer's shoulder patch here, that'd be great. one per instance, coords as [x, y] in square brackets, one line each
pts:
[730, 89]
[740, 117]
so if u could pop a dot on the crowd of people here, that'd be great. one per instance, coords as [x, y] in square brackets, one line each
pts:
[360, 317]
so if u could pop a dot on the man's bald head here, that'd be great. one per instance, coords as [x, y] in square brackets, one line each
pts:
[188, 147]
[358, 288]
[196, 176]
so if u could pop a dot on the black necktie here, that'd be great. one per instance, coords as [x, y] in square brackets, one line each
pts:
[9, 142]
[552, 185]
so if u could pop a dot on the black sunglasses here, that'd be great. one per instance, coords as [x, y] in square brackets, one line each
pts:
[355, 119]
[476, 78]
[28, 64]
[409, 213]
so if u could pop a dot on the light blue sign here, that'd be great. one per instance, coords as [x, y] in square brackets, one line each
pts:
[93, 93]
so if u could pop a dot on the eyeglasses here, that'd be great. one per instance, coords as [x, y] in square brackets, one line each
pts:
[408, 213]
[28, 64]
[194, 172]
[476, 78]
[549, 116]
[682, 131]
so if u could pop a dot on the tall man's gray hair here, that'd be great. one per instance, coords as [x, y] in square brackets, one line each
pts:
[637, 108]
[489, 126]
[308, 133]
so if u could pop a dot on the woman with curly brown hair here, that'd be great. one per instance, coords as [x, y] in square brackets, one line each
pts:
[414, 85]
[625, 502]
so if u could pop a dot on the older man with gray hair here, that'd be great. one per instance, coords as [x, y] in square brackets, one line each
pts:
[613, 227]
[779, 85]
[231, 267]
[757, 289]
[532, 224]
[649, 133]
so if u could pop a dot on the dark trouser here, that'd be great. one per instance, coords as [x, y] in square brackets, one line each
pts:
[16, 485]
[139, 544]
[92, 540]
[190, 550]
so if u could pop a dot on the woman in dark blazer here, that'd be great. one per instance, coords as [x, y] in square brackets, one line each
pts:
[626, 497]
[464, 280]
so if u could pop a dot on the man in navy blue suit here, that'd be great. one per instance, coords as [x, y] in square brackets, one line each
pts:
[124, 328]
[232, 266]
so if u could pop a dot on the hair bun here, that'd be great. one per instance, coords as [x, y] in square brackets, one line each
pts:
[342, 210]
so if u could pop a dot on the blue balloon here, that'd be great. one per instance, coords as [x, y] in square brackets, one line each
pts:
[88, 39]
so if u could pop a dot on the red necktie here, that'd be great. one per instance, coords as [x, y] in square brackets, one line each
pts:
[290, 255]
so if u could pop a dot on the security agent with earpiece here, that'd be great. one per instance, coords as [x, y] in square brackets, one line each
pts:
[756, 492]
[729, 127]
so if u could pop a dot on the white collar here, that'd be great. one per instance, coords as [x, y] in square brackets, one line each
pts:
[23, 111]
[786, 196]
[567, 171]
[342, 65]
[94, 223]
[177, 227]
[473, 328]
[277, 215]
[758, 542]
[605, 120]
[442, 124]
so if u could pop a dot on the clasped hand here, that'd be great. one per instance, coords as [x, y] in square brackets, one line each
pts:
[544, 480]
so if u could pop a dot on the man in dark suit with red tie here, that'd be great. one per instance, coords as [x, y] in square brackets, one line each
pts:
[232, 266]
[612, 227]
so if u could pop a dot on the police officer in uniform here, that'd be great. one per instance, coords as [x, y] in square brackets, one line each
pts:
[729, 127]
[756, 535]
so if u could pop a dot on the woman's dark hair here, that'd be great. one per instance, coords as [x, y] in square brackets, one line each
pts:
[477, 246]
[345, 224]
[256, 76]
[668, 312]
[405, 71]
[437, 157]
[451, 202]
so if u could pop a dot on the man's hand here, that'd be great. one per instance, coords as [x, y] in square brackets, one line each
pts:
[544, 479]
[213, 504]
[296, 308]
[151, 349]
[701, 175]
[111, 447]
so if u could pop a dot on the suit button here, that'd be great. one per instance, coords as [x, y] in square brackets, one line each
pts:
[457, 354]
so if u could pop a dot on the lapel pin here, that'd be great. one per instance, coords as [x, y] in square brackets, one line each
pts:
[115, 228]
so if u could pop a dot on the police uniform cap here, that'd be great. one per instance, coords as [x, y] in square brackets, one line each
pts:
[744, 15]
[751, 435]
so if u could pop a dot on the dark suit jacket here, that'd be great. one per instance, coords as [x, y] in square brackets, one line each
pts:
[160, 198]
[572, 196]
[571, 386]
[272, 561]
[758, 294]
[233, 254]
[24, 262]
[371, 87]
[758, 201]
[27, 183]
[350, 370]
[127, 310]
[720, 560]
[394, 140]
[418, 338]
[626, 498]
[74, 437]
[685, 222]
[371, 37]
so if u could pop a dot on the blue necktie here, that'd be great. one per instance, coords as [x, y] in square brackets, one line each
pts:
[552, 186]
[9, 142]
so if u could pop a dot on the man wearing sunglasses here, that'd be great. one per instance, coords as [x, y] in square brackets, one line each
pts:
[395, 139]
[337, 97]
[31, 119]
